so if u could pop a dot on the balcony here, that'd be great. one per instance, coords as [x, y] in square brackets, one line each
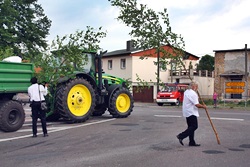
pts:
[185, 74]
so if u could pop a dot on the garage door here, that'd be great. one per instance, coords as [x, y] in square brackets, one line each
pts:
[143, 94]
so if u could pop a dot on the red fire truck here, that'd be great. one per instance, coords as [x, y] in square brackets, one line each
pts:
[171, 94]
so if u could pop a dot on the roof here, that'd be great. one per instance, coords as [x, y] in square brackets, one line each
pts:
[232, 50]
[127, 52]
[234, 72]
[120, 52]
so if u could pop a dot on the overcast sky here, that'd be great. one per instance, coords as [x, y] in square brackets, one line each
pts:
[206, 25]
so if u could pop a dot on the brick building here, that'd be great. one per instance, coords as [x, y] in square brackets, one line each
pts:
[230, 67]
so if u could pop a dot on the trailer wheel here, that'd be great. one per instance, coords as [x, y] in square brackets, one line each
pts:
[12, 116]
[76, 100]
[121, 104]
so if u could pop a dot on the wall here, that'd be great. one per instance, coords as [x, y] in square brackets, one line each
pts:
[226, 61]
[116, 69]
[146, 70]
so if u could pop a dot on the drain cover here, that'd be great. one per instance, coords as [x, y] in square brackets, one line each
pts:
[235, 149]
[245, 146]
[213, 152]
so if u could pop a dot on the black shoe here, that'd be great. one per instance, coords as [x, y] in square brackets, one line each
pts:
[194, 145]
[180, 140]
[34, 136]
[45, 135]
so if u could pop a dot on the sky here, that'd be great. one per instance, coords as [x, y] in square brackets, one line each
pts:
[205, 25]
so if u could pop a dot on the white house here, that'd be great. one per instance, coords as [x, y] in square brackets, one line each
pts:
[126, 63]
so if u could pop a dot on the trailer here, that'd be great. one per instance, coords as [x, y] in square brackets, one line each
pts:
[14, 79]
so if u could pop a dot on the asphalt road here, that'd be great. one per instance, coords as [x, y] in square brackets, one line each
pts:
[147, 138]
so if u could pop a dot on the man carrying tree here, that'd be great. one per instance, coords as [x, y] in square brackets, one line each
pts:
[190, 111]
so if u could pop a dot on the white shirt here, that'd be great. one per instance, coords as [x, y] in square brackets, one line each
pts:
[189, 102]
[33, 92]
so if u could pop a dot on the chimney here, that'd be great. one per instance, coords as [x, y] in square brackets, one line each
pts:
[130, 45]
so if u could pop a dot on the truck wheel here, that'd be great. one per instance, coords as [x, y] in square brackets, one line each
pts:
[177, 103]
[99, 110]
[76, 100]
[12, 116]
[121, 104]
[160, 104]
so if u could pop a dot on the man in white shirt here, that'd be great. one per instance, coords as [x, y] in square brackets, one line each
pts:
[190, 111]
[37, 93]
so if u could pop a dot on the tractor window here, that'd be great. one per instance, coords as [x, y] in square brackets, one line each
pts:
[87, 63]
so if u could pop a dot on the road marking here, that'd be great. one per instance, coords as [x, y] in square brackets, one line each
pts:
[214, 118]
[228, 119]
[172, 116]
[58, 129]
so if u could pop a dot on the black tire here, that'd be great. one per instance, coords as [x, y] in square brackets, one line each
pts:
[177, 102]
[53, 117]
[121, 103]
[12, 116]
[160, 104]
[99, 110]
[75, 101]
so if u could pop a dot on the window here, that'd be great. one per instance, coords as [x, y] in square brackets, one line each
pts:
[110, 64]
[123, 63]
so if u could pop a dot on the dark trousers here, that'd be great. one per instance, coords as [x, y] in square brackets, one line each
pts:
[38, 113]
[192, 123]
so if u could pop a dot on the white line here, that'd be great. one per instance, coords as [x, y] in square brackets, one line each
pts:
[228, 119]
[172, 116]
[61, 129]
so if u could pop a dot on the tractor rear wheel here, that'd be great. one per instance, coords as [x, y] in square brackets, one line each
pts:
[12, 116]
[76, 100]
[121, 104]
[99, 110]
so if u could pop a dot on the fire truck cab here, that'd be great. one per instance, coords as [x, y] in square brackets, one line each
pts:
[171, 94]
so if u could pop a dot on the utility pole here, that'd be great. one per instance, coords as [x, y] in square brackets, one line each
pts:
[246, 73]
[158, 68]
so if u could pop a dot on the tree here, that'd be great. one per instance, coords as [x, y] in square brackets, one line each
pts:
[23, 27]
[206, 63]
[57, 61]
[149, 32]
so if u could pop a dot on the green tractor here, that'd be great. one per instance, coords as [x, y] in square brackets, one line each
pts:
[76, 97]
[89, 92]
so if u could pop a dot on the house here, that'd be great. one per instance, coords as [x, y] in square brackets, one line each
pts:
[232, 73]
[126, 63]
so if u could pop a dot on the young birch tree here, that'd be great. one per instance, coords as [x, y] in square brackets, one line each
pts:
[63, 51]
[151, 29]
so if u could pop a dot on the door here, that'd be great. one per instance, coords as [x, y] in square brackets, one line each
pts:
[143, 94]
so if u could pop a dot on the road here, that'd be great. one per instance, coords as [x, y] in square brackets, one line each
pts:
[147, 138]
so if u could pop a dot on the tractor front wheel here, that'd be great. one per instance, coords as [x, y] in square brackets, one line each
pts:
[121, 103]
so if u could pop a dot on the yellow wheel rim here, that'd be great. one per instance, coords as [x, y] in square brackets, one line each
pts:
[79, 100]
[123, 103]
